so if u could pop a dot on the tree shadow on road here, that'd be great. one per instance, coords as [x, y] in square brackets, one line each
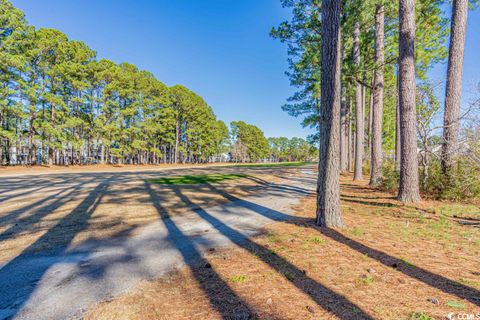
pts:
[222, 298]
[20, 276]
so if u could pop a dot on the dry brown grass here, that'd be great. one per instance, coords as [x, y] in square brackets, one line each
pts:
[389, 261]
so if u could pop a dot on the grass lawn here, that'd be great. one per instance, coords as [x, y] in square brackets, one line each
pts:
[273, 165]
[197, 179]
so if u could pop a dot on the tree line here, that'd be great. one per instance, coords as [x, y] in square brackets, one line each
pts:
[60, 105]
[361, 69]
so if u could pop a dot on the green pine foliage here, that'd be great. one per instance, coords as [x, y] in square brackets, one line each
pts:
[60, 105]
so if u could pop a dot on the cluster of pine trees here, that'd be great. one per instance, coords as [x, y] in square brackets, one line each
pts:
[60, 105]
[361, 69]
[294, 149]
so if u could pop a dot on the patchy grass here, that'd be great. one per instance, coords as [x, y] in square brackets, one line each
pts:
[317, 240]
[297, 270]
[456, 305]
[197, 179]
[357, 231]
[240, 278]
[419, 316]
[367, 279]
[470, 282]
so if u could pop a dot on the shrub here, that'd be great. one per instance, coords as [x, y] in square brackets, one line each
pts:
[463, 182]
[391, 177]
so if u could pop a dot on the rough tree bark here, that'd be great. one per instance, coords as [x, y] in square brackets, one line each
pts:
[359, 117]
[454, 83]
[328, 185]
[377, 112]
[397, 127]
[369, 122]
[408, 190]
[343, 130]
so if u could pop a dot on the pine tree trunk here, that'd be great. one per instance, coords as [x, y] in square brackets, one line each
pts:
[102, 152]
[408, 189]
[350, 136]
[177, 139]
[369, 121]
[397, 126]
[359, 117]
[377, 112]
[454, 83]
[328, 185]
[343, 128]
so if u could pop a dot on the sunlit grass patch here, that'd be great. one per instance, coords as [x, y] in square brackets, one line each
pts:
[456, 304]
[420, 316]
[368, 279]
[197, 179]
[357, 231]
[459, 210]
[240, 278]
[317, 240]
[468, 282]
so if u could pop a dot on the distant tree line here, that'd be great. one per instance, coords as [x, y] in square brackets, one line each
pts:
[294, 149]
[59, 105]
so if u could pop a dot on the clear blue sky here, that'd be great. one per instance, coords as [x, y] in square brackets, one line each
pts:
[471, 70]
[220, 49]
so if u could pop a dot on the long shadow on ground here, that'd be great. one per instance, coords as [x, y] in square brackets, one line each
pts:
[222, 298]
[20, 276]
[437, 281]
[324, 297]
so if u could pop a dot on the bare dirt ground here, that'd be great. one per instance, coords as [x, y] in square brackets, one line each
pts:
[68, 240]
[393, 261]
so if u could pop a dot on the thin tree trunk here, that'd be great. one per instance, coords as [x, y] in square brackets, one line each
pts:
[102, 152]
[343, 128]
[454, 83]
[369, 120]
[377, 112]
[408, 190]
[177, 138]
[397, 125]
[350, 136]
[328, 185]
[359, 117]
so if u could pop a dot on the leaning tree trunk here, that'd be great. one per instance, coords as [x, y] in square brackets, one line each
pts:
[454, 82]
[377, 112]
[359, 117]
[408, 190]
[328, 186]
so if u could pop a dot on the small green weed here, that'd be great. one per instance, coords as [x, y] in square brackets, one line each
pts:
[456, 304]
[240, 278]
